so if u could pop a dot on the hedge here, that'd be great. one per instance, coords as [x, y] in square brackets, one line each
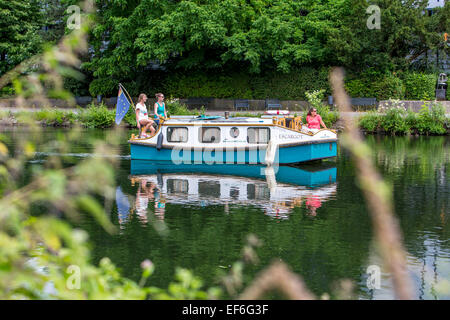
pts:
[291, 86]
[420, 86]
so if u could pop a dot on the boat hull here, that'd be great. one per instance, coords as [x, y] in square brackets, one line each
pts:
[284, 155]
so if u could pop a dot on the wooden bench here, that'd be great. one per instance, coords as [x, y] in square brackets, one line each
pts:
[241, 104]
[273, 104]
[364, 101]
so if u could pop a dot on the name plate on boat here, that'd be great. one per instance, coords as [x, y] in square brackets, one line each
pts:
[290, 136]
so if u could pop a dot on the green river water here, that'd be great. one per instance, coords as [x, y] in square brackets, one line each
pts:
[200, 220]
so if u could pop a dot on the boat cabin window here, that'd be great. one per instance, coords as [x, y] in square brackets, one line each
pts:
[177, 186]
[258, 135]
[177, 134]
[209, 135]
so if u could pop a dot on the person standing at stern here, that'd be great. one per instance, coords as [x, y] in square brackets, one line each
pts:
[142, 118]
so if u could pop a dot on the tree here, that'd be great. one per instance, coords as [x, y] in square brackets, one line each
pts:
[53, 22]
[405, 33]
[132, 37]
[19, 25]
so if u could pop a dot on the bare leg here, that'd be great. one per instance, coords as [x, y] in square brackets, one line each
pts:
[152, 130]
[144, 124]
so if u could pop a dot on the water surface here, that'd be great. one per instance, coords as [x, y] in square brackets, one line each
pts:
[312, 217]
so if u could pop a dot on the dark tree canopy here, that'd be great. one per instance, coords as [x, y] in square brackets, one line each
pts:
[137, 39]
[20, 22]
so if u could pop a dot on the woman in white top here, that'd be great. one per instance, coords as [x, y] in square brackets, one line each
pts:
[142, 118]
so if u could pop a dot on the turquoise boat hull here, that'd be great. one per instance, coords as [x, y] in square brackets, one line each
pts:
[284, 155]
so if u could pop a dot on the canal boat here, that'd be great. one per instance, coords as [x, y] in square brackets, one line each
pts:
[237, 140]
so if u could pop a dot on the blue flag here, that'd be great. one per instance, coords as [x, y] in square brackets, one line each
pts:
[123, 104]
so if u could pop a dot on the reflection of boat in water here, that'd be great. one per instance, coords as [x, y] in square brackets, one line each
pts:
[307, 175]
[276, 190]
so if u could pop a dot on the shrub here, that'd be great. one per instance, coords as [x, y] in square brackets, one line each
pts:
[370, 121]
[180, 109]
[431, 120]
[97, 116]
[394, 121]
[389, 87]
[382, 88]
[7, 91]
[53, 117]
[130, 117]
[411, 119]
[419, 86]
[358, 88]
[291, 86]
[205, 85]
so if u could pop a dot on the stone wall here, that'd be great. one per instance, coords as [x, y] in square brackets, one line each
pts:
[213, 105]
[416, 105]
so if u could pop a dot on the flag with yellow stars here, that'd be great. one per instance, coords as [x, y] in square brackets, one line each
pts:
[123, 104]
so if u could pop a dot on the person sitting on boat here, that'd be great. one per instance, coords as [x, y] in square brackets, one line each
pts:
[314, 120]
[160, 108]
[142, 117]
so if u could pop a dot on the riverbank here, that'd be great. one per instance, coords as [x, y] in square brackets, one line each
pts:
[395, 121]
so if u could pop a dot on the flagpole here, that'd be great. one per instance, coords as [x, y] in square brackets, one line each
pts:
[126, 92]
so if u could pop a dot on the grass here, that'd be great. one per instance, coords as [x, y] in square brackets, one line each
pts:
[246, 115]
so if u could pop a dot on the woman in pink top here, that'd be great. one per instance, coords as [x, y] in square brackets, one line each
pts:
[314, 120]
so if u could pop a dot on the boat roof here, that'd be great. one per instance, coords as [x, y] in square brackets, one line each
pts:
[218, 120]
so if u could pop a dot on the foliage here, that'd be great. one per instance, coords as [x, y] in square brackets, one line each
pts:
[420, 86]
[234, 49]
[40, 255]
[54, 22]
[54, 117]
[431, 120]
[393, 121]
[103, 86]
[7, 91]
[204, 85]
[247, 115]
[97, 116]
[396, 120]
[290, 86]
[186, 287]
[382, 87]
[388, 87]
[404, 34]
[371, 121]
[174, 107]
[198, 35]
[20, 21]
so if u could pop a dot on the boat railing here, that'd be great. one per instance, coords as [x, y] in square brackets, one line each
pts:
[294, 123]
